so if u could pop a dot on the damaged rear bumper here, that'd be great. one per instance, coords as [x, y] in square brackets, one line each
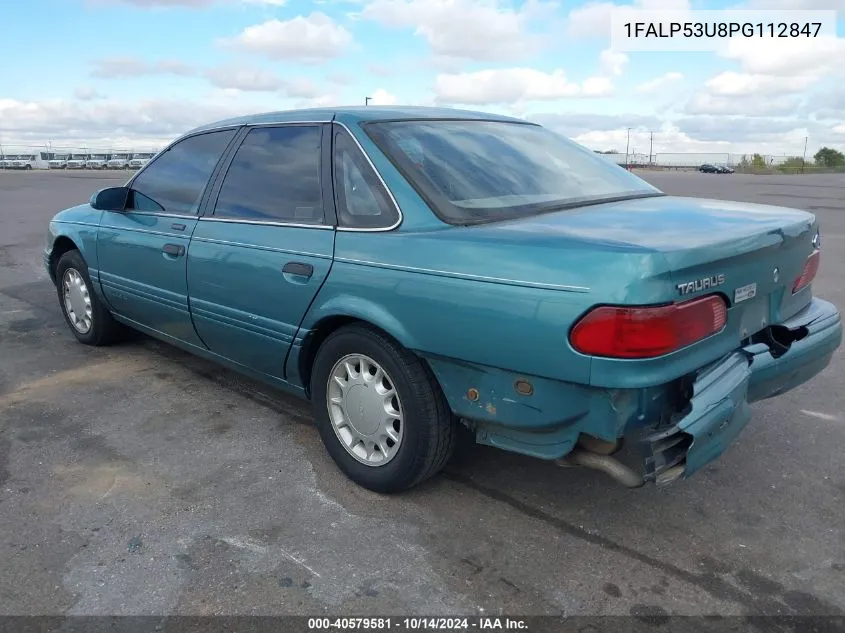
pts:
[718, 408]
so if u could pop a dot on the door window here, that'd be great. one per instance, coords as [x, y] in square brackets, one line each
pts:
[275, 177]
[175, 181]
[362, 201]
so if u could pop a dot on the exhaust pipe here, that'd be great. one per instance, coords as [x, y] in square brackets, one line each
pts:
[581, 456]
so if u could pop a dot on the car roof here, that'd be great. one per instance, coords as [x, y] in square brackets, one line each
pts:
[354, 114]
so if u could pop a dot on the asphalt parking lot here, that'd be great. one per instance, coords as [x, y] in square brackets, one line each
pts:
[139, 480]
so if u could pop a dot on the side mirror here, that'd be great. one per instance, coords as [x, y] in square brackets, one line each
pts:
[110, 199]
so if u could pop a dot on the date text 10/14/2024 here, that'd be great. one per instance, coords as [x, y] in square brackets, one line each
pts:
[479, 623]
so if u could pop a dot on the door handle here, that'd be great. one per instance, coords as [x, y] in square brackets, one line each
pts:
[299, 269]
[175, 250]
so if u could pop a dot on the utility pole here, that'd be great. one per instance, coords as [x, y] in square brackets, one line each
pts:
[627, 145]
[650, 147]
[804, 159]
[367, 100]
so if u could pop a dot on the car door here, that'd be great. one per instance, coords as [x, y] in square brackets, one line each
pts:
[260, 253]
[142, 250]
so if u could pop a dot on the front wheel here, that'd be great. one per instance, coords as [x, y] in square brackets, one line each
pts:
[89, 320]
[379, 410]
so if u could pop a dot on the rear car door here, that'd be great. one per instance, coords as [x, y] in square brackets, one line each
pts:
[142, 250]
[265, 246]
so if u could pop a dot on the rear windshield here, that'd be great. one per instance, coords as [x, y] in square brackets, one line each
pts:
[480, 171]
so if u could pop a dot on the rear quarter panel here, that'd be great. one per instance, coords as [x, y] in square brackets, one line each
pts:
[463, 300]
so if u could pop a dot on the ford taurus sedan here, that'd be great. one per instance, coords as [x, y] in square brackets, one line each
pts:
[414, 271]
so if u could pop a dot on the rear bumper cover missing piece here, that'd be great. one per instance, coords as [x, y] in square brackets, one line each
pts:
[718, 409]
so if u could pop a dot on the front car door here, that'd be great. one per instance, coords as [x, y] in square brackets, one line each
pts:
[142, 250]
[263, 249]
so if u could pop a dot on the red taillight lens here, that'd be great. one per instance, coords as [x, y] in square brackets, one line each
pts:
[620, 332]
[811, 267]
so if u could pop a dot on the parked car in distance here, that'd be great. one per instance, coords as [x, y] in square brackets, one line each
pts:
[709, 169]
[76, 161]
[139, 160]
[97, 161]
[118, 161]
[724, 169]
[417, 271]
[58, 161]
[4, 161]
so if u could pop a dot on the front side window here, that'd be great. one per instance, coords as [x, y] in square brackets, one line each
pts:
[275, 176]
[480, 171]
[174, 183]
[362, 201]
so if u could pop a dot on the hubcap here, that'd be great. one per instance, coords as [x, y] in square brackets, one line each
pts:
[77, 301]
[365, 410]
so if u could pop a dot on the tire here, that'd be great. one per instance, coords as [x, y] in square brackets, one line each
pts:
[103, 329]
[427, 430]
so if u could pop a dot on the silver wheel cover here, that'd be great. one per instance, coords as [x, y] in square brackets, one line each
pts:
[365, 410]
[77, 301]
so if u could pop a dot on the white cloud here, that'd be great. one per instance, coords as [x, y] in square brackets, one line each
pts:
[812, 57]
[103, 121]
[312, 38]
[819, 5]
[243, 77]
[341, 78]
[189, 4]
[748, 105]
[116, 67]
[513, 85]
[520, 84]
[302, 88]
[593, 19]
[86, 93]
[382, 97]
[659, 83]
[483, 30]
[771, 70]
[731, 83]
[323, 101]
[613, 62]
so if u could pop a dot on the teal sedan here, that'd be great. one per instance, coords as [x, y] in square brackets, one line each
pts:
[419, 272]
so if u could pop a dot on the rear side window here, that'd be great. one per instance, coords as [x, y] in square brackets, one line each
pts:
[362, 201]
[174, 183]
[275, 176]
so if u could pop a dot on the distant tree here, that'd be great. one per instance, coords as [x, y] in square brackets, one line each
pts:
[827, 157]
[793, 163]
[758, 161]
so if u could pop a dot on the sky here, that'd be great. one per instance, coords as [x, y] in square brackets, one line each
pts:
[135, 74]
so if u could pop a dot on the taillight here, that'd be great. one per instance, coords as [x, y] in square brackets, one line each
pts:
[811, 267]
[647, 332]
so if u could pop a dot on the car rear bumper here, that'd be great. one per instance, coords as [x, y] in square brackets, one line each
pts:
[718, 408]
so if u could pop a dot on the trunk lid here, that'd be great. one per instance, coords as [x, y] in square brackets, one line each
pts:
[750, 253]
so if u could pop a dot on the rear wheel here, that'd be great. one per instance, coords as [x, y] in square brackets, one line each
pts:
[89, 320]
[380, 412]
